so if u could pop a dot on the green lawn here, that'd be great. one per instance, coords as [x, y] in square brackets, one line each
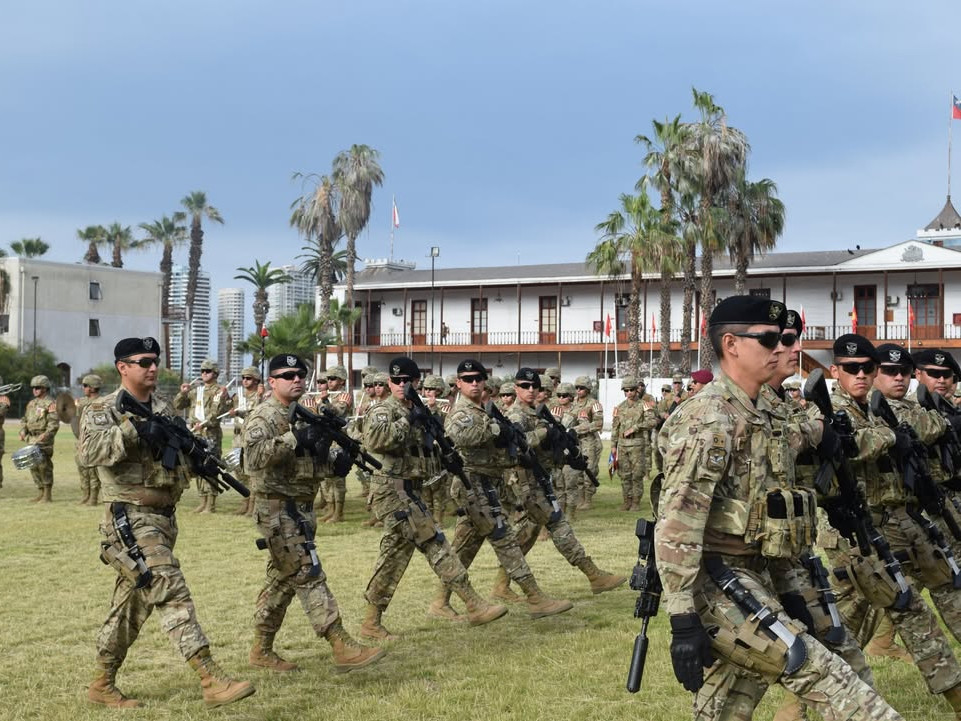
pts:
[56, 594]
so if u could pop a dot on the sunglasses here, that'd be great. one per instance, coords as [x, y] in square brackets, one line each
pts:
[770, 338]
[472, 379]
[379, 385]
[399, 380]
[893, 370]
[524, 386]
[37, 388]
[507, 395]
[945, 373]
[580, 388]
[290, 375]
[563, 395]
[247, 378]
[368, 385]
[144, 362]
[207, 370]
[793, 390]
[855, 368]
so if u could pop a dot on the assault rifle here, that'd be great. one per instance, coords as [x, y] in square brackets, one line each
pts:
[518, 448]
[849, 512]
[567, 449]
[172, 432]
[449, 457]
[332, 426]
[949, 444]
[647, 581]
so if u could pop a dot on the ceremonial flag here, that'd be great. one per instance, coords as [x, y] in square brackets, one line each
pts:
[955, 108]
[854, 319]
[653, 327]
[703, 325]
[910, 315]
[607, 326]
[395, 217]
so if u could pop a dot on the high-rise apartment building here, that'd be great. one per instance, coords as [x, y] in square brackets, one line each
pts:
[285, 297]
[188, 350]
[230, 327]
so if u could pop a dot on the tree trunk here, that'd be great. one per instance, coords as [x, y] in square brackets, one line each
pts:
[707, 305]
[349, 301]
[687, 310]
[261, 306]
[166, 268]
[664, 367]
[92, 255]
[117, 259]
[740, 273]
[634, 323]
[325, 276]
[193, 260]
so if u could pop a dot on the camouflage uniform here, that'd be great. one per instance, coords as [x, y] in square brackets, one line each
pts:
[435, 491]
[631, 440]
[341, 402]
[718, 450]
[206, 403]
[244, 402]
[567, 481]
[390, 438]
[887, 498]
[39, 425]
[588, 426]
[4, 407]
[89, 481]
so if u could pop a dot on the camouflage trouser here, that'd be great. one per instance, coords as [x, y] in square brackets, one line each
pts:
[1, 469]
[215, 438]
[633, 463]
[287, 570]
[334, 488]
[42, 473]
[536, 514]
[734, 686]
[469, 533]
[436, 495]
[406, 528]
[591, 448]
[156, 535]
[89, 480]
[916, 624]
[566, 487]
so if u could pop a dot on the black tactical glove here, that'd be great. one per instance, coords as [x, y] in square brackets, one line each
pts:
[796, 608]
[553, 439]
[902, 445]
[830, 446]
[339, 462]
[502, 439]
[308, 437]
[690, 650]
[954, 422]
[418, 415]
[152, 432]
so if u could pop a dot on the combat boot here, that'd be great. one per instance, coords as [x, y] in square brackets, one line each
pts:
[538, 603]
[348, 654]
[479, 611]
[791, 709]
[242, 511]
[372, 628]
[544, 535]
[953, 697]
[218, 688]
[440, 607]
[202, 506]
[263, 655]
[94, 496]
[39, 496]
[47, 491]
[337, 514]
[502, 588]
[86, 497]
[883, 643]
[600, 580]
[103, 691]
[626, 498]
[211, 504]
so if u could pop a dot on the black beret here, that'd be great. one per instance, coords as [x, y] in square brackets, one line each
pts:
[471, 366]
[894, 354]
[132, 346]
[852, 345]
[285, 360]
[792, 321]
[403, 366]
[935, 357]
[529, 375]
[748, 309]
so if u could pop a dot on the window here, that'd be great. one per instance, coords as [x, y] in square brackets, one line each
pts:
[478, 320]
[4, 323]
[866, 305]
[94, 328]
[96, 293]
[925, 302]
[418, 321]
[760, 292]
[621, 303]
[547, 320]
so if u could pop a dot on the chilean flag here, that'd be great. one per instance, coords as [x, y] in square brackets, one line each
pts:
[955, 108]
[395, 216]
[607, 326]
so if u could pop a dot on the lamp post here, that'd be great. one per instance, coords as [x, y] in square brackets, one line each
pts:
[35, 279]
[434, 254]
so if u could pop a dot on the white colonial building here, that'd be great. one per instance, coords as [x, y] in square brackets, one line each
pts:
[76, 310]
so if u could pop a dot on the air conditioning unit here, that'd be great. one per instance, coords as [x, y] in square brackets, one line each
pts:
[837, 295]
[892, 300]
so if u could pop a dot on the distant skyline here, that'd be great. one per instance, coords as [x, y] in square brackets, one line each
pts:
[506, 130]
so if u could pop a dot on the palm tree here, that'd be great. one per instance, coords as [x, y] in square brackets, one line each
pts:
[717, 152]
[168, 232]
[314, 217]
[261, 277]
[94, 236]
[341, 319]
[757, 221]
[197, 208]
[607, 260]
[227, 327]
[29, 247]
[120, 238]
[300, 332]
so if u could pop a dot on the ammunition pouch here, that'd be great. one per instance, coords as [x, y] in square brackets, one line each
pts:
[870, 577]
[285, 542]
[416, 525]
[784, 522]
[473, 504]
[115, 555]
[928, 565]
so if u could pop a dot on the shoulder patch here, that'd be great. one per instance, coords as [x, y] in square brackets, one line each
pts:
[716, 458]
[465, 419]
[256, 433]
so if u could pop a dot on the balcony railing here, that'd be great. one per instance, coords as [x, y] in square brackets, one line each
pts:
[891, 332]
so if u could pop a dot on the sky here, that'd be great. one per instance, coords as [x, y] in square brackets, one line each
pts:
[506, 130]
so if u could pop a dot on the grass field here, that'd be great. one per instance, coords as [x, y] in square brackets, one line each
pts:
[55, 594]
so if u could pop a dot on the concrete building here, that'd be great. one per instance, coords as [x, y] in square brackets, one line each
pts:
[189, 351]
[77, 311]
[230, 311]
[285, 297]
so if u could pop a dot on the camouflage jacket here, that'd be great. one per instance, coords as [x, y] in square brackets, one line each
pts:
[40, 423]
[872, 465]
[473, 432]
[126, 465]
[271, 459]
[4, 407]
[929, 426]
[716, 452]
[590, 417]
[340, 402]
[390, 438]
[215, 401]
[635, 418]
[535, 431]
[243, 403]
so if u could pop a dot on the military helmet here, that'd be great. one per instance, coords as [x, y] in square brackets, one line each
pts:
[628, 383]
[565, 389]
[451, 380]
[40, 382]
[336, 372]
[493, 383]
[251, 372]
[92, 380]
[583, 381]
[677, 378]
[434, 383]
[547, 385]
[553, 372]
[209, 364]
[380, 377]
[791, 385]
[369, 370]
[507, 389]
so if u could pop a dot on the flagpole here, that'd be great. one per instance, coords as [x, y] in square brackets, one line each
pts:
[615, 340]
[950, 125]
[650, 365]
[393, 204]
[909, 325]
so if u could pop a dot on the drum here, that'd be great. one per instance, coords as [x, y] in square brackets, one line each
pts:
[234, 460]
[27, 457]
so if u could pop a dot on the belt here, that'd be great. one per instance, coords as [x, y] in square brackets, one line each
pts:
[282, 497]
[167, 511]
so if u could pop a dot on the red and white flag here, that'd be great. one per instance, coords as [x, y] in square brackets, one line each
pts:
[653, 328]
[955, 108]
[854, 319]
[910, 315]
[394, 215]
[607, 326]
